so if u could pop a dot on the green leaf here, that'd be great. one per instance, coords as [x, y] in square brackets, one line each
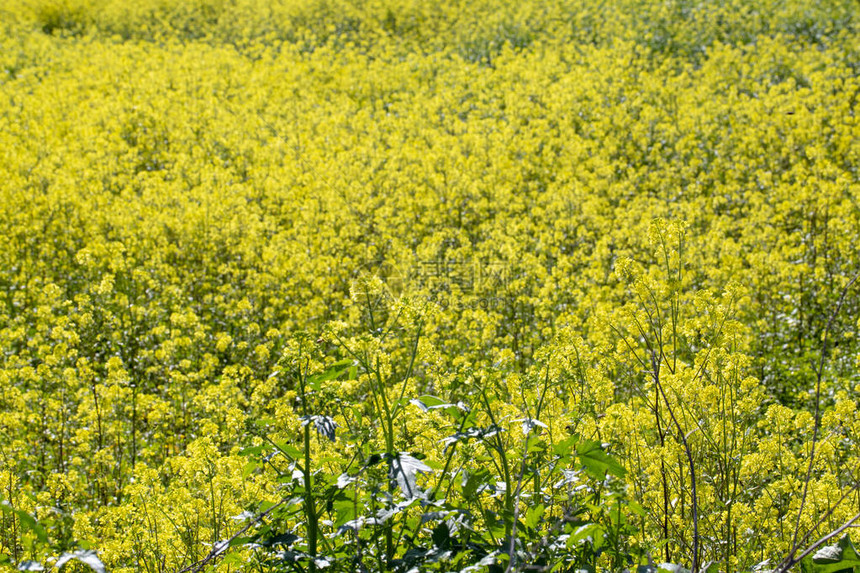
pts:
[285, 539]
[596, 461]
[240, 541]
[345, 511]
[842, 556]
[428, 402]
[537, 446]
[88, 558]
[232, 558]
[565, 447]
[403, 469]
[265, 505]
[475, 480]
[589, 531]
[27, 521]
[325, 425]
[441, 535]
[333, 372]
[533, 515]
[251, 451]
[288, 450]
[636, 508]
[249, 468]
[672, 568]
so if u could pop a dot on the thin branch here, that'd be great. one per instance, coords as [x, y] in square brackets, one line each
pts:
[219, 548]
[818, 376]
[789, 563]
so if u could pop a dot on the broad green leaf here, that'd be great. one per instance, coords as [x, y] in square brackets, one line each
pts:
[249, 468]
[237, 541]
[636, 508]
[841, 556]
[537, 446]
[251, 451]
[289, 450]
[589, 531]
[564, 448]
[428, 402]
[403, 469]
[344, 510]
[88, 558]
[475, 480]
[333, 372]
[671, 568]
[596, 461]
[533, 515]
[441, 535]
[325, 425]
[285, 539]
[232, 559]
[27, 521]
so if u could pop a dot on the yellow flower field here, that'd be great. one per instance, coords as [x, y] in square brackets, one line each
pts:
[389, 285]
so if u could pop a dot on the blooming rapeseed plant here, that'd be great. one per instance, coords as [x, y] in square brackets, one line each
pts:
[427, 285]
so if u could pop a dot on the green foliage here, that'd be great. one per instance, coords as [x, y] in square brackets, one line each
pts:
[838, 557]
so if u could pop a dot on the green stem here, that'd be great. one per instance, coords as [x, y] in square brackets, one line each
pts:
[310, 509]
